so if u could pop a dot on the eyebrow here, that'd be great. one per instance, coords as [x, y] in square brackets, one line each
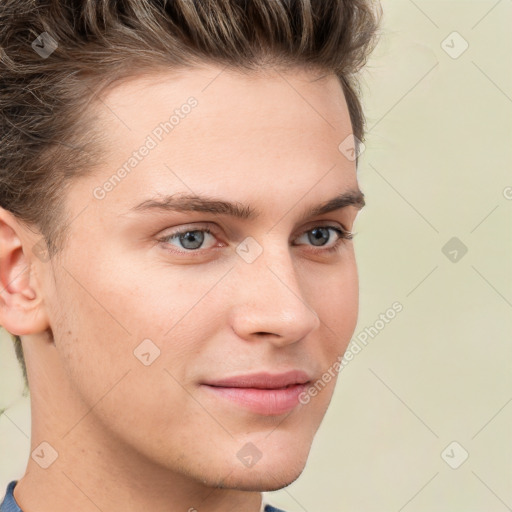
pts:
[208, 204]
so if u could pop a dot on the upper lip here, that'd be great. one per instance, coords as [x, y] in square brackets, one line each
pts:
[262, 380]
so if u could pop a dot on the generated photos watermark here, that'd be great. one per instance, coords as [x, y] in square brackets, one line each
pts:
[353, 349]
[151, 142]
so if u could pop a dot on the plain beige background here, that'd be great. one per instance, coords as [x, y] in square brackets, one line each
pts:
[421, 419]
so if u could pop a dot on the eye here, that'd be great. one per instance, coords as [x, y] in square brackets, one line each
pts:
[318, 234]
[191, 240]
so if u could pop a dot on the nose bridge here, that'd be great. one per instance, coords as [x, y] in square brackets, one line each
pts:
[270, 298]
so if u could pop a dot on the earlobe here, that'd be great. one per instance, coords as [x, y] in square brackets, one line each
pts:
[22, 309]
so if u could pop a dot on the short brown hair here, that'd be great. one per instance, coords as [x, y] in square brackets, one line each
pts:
[46, 139]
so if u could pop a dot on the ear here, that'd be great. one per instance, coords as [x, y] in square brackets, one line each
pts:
[22, 309]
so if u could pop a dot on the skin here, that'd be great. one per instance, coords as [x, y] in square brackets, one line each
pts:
[132, 437]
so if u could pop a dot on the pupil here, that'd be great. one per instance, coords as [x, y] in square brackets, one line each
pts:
[188, 238]
[319, 233]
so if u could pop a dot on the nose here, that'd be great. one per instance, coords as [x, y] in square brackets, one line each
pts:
[269, 303]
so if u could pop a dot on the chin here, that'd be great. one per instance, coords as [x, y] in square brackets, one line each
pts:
[281, 459]
[265, 479]
[278, 469]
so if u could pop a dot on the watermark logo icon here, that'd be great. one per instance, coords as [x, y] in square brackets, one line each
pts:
[40, 251]
[249, 455]
[44, 454]
[249, 249]
[454, 249]
[44, 45]
[454, 455]
[351, 147]
[146, 352]
[454, 45]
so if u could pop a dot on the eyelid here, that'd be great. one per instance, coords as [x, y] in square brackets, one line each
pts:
[214, 229]
[210, 228]
[324, 224]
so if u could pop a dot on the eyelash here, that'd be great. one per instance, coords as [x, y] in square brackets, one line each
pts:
[343, 234]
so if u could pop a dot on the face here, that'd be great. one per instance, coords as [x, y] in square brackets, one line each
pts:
[155, 299]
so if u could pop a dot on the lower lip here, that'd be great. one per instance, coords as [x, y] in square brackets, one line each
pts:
[267, 402]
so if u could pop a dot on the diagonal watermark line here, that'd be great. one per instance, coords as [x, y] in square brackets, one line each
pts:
[406, 503]
[104, 104]
[14, 278]
[489, 283]
[492, 81]
[217, 489]
[301, 198]
[402, 97]
[304, 99]
[66, 226]
[485, 15]
[424, 13]
[14, 423]
[214, 78]
[76, 216]
[422, 280]
[94, 298]
[205, 294]
[26, 266]
[104, 395]
[492, 211]
[321, 321]
[485, 425]
[508, 507]
[267, 232]
[408, 202]
[170, 170]
[403, 402]
[118, 118]
[279, 424]
[291, 495]
[199, 403]
[215, 215]
[307, 305]
[88, 497]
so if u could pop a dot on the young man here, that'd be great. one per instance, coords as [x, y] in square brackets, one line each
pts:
[178, 189]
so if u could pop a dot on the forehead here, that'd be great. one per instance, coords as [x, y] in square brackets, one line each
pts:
[224, 133]
[222, 87]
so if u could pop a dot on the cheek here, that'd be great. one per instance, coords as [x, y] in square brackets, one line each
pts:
[92, 332]
[98, 355]
[102, 314]
[335, 293]
[337, 308]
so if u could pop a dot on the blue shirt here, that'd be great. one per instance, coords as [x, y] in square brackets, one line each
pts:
[9, 503]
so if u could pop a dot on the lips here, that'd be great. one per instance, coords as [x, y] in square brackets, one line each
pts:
[263, 380]
[261, 393]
